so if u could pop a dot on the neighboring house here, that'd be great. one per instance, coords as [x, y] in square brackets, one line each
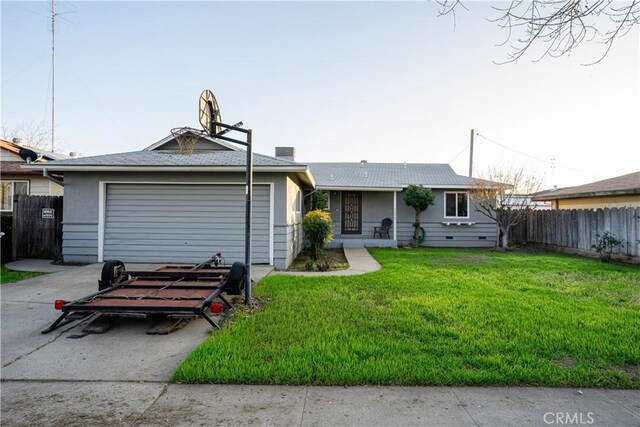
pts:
[362, 194]
[159, 205]
[15, 180]
[619, 192]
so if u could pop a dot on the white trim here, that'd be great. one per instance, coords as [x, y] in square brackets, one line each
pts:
[395, 214]
[102, 205]
[436, 187]
[171, 138]
[102, 194]
[445, 204]
[272, 199]
[159, 168]
[320, 187]
[13, 190]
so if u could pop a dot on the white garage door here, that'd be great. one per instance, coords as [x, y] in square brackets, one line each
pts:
[183, 223]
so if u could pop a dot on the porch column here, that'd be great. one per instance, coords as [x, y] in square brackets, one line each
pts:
[395, 222]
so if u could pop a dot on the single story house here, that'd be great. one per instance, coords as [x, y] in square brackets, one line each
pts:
[16, 180]
[362, 194]
[618, 192]
[159, 205]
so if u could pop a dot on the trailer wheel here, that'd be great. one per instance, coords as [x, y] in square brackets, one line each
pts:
[234, 282]
[113, 272]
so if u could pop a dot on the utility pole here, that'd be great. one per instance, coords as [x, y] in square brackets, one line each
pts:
[53, 74]
[471, 155]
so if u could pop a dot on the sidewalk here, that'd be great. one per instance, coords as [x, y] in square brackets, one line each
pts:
[167, 404]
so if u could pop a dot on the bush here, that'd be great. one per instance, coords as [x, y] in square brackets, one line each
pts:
[323, 265]
[317, 232]
[418, 198]
[605, 244]
[309, 265]
[319, 200]
[7, 229]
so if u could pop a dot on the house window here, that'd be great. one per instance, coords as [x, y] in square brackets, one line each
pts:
[8, 189]
[456, 205]
[298, 201]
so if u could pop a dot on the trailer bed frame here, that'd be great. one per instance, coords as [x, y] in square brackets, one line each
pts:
[177, 291]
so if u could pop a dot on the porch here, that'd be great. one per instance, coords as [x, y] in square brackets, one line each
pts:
[360, 242]
[355, 214]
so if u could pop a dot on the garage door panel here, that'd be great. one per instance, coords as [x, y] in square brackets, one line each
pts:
[183, 223]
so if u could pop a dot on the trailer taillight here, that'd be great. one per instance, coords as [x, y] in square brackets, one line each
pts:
[59, 304]
[216, 307]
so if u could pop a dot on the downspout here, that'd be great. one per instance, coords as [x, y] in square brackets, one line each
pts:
[45, 174]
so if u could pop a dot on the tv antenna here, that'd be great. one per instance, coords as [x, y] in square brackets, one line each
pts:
[53, 73]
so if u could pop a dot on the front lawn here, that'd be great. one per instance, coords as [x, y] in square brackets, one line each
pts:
[8, 276]
[437, 317]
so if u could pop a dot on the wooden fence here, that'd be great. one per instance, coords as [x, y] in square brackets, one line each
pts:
[578, 229]
[37, 227]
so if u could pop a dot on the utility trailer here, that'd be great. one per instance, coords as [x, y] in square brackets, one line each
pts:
[174, 291]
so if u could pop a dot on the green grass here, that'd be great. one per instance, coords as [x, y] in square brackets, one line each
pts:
[437, 317]
[8, 276]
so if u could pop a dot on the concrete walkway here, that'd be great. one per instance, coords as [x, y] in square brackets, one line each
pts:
[359, 259]
[35, 403]
[38, 266]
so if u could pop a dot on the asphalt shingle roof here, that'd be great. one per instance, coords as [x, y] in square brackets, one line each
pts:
[386, 175]
[624, 184]
[175, 159]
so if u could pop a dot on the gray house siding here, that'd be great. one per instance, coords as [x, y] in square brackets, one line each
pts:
[377, 205]
[482, 233]
[82, 201]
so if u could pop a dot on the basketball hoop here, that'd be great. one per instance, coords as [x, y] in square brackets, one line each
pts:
[187, 138]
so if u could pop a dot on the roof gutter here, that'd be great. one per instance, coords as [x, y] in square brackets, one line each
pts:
[400, 188]
[551, 196]
[90, 168]
[45, 173]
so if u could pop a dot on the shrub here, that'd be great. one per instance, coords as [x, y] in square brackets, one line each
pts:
[605, 244]
[319, 200]
[309, 265]
[323, 265]
[317, 232]
[418, 198]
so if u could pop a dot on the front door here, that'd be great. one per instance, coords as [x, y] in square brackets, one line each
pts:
[351, 212]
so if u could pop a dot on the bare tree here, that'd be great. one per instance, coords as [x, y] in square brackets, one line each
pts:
[559, 25]
[32, 134]
[503, 195]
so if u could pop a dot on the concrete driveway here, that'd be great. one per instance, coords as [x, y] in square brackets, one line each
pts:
[124, 353]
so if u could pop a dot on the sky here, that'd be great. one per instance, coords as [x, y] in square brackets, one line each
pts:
[339, 81]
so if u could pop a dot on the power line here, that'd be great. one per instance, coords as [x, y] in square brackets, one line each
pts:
[460, 153]
[511, 149]
[551, 162]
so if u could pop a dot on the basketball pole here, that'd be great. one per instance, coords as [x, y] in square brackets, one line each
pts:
[247, 225]
[248, 196]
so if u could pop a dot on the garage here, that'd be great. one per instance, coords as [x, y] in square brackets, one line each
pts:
[160, 223]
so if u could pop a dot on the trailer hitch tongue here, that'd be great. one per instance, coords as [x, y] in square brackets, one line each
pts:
[59, 303]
